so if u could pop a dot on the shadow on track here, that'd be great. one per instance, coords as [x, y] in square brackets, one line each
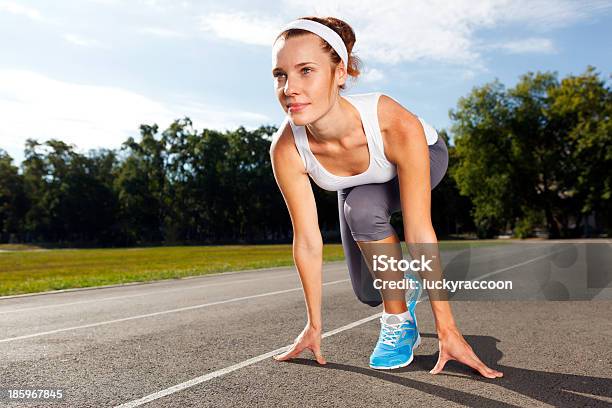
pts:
[556, 389]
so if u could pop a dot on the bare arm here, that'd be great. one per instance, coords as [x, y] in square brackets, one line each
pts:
[410, 153]
[296, 189]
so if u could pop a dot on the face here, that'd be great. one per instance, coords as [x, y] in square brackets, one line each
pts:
[302, 74]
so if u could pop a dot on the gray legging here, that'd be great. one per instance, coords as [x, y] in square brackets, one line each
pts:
[365, 212]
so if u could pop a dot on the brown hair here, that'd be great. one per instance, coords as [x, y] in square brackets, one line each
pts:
[344, 31]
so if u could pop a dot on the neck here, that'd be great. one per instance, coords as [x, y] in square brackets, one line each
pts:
[337, 123]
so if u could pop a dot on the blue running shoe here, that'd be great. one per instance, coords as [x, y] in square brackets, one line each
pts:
[398, 340]
[413, 295]
[396, 343]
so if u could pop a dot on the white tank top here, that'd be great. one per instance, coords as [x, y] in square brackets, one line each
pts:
[380, 169]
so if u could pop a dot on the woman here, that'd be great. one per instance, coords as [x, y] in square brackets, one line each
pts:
[371, 151]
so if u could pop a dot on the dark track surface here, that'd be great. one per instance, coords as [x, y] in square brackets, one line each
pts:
[112, 346]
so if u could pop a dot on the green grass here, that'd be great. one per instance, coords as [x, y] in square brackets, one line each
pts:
[24, 269]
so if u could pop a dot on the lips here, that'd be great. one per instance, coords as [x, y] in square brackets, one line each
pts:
[297, 107]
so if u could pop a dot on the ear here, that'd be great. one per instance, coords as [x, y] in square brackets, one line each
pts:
[341, 73]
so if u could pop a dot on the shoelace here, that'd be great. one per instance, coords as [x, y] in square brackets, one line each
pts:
[390, 333]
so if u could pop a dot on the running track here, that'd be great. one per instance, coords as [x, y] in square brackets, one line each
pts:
[208, 341]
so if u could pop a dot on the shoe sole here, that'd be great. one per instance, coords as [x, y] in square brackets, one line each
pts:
[416, 344]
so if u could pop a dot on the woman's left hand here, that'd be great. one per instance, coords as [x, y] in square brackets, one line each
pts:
[453, 346]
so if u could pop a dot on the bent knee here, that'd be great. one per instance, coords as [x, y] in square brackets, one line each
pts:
[367, 222]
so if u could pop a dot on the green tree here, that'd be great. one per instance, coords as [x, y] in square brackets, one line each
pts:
[13, 200]
[484, 167]
[140, 186]
[581, 107]
[541, 148]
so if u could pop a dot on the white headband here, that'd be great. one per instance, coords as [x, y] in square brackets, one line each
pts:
[324, 32]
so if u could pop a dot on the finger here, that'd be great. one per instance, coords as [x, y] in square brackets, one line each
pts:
[293, 352]
[318, 355]
[442, 360]
[489, 372]
[478, 365]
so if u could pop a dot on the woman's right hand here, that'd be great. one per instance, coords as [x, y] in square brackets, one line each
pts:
[309, 338]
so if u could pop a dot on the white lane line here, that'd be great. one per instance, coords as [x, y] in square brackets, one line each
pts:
[152, 283]
[223, 371]
[498, 271]
[181, 309]
[156, 292]
[8, 339]
[348, 326]
[488, 254]
[332, 268]
[486, 275]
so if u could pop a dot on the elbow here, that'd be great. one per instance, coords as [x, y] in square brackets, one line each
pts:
[311, 244]
[421, 234]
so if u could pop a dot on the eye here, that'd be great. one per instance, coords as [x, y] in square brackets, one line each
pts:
[278, 74]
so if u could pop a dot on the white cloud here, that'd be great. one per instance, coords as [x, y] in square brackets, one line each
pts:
[161, 32]
[528, 45]
[162, 5]
[81, 41]
[157, 5]
[372, 75]
[21, 9]
[90, 116]
[468, 74]
[242, 27]
[545, 15]
[447, 30]
[396, 31]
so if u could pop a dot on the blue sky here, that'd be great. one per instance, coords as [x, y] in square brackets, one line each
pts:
[89, 72]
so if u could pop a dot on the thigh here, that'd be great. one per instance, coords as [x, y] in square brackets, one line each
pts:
[361, 279]
[438, 162]
[387, 195]
[375, 198]
[368, 209]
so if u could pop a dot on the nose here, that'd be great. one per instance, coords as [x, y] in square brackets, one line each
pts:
[290, 86]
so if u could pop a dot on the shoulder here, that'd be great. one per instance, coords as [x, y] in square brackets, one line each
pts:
[398, 125]
[392, 116]
[283, 148]
[282, 134]
[283, 138]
